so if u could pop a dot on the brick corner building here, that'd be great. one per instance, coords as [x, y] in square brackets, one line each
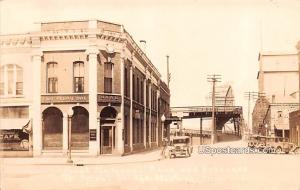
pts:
[91, 67]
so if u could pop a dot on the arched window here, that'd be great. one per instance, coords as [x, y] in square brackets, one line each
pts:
[11, 80]
[78, 73]
[52, 81]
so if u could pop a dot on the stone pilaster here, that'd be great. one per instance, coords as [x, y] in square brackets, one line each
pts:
[120, 117]
[131, 114]
[65, 133]
[92, 61]
[150, 116]
[36, 104]
[157, 116]
[145, 112]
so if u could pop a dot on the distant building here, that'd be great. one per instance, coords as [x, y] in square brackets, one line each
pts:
[295, 116]
[91, 68]
[278, 84]
[278, 76]
[224, 96]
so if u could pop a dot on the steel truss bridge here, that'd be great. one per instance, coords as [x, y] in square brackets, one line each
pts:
[223, 114]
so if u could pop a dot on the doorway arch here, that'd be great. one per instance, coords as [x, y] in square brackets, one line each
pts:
[107, 129]
[52, 129]
[80, 128]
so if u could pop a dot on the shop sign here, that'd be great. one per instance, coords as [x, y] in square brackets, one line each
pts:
[14, 139]
[93, 134]
[108, 98]
[76, 98]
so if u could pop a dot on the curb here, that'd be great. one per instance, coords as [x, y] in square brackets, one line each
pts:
[87, 164]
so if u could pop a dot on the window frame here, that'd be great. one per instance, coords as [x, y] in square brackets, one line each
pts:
[11, 91]
[110, 88]
[52, 77]
[76, 83]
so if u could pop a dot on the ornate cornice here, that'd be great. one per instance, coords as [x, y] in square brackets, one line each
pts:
[18, 40]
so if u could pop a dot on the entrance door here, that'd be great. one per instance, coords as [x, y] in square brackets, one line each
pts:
[107, 139]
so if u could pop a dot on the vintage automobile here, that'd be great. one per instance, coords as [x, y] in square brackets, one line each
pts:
[256, 141]
[180, 146]
[279, 144]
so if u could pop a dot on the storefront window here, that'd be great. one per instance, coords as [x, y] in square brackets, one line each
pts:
[14, 112]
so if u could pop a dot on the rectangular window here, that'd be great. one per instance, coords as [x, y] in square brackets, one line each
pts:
[52, 85]
[2, 81]
[52, 77]
[19, 83]
[142, 92]
[108, 77]
[137, 90]
[78, 84]
[78, 74]
[1, 88]
[14, 112]
[147, 95]
[125, 82]
[133, 87]
[125, 129]
[10, 78]
[107, 85]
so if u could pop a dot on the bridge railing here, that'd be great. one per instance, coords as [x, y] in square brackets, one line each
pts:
[206, 132]
[237, 109]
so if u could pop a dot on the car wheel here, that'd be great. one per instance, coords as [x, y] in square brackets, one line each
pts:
[297, 150]
[278, 149]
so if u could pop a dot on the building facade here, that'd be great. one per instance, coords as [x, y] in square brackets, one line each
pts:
[295, 116]
[89, 75]
[278, 93]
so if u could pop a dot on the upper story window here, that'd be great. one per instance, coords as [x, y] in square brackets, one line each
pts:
[147, 94]
[11, 80]
[137, 89]
[52, 81]
[142, 91]
[108, 74]
[78, 73]
[126, 86]
[133, 87]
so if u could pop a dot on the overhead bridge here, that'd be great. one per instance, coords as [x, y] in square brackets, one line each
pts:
[223, 114]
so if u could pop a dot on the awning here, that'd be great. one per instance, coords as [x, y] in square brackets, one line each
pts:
[13, 123]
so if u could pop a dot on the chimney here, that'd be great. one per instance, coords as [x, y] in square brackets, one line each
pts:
[143, 45]
[273, 98]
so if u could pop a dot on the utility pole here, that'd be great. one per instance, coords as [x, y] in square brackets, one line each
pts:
[213, 78]
[200, 131]
[168, 72]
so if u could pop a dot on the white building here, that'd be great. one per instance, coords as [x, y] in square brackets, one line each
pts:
[278, 83]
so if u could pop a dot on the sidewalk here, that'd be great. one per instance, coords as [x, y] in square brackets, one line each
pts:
[150, 156]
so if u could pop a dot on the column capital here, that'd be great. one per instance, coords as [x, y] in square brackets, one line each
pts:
[92, 50]
[65, 115]
[37, 53]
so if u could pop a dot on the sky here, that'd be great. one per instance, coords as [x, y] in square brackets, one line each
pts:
[201, 37]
